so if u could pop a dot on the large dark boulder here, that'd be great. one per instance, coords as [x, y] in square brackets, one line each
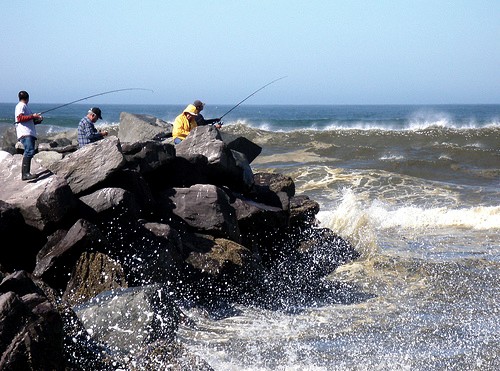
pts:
[55, 266]
[303, 211]
[135, 183]
[170, 236]
[30, 327]
[219, 270]
[93, 273]
[258, 222]
[21, 241]
[148, 156]
[204, 208]
[182, 172]
[273, 189]
[245, 146]
[111, 204]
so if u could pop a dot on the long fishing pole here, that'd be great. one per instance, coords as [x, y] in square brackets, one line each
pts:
[92, 96]
[255, 92]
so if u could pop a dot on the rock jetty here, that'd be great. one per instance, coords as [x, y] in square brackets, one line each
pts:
[100, 254]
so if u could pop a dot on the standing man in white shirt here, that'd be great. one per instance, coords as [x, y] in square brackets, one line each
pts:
[26, 132]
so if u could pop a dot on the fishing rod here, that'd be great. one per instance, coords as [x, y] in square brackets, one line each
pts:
[255, 92]
[92, 96]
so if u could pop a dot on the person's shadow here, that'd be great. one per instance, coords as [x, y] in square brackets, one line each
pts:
[41, 175]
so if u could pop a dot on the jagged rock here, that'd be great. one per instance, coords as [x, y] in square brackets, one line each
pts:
[99, 159]
[53, 147]
[52, 240]
[21, 283]
[322, 251]
[149, 156]
[43, 202]
[303, 211]
[81, 351]
[183, 172]
[145, 257]
[166, 232]
[273, 189]
[139, 128]
[135, 183]
[204, 207]
[258, 221]
[246, 171]
[220, 270]
[30, 328]
[245, 146]
[275, 183]
[94, 273]
[54, 267]
[215, 255]
[112, 203]
[9, 140]
[224, 169]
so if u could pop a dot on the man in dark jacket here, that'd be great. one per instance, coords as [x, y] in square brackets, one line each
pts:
[200, 120]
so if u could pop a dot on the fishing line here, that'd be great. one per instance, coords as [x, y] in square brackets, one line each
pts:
[92, 96]
[256, 91]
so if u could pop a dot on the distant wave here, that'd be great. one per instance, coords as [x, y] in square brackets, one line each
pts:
[412, 125]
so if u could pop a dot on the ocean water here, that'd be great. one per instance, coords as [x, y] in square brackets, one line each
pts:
[416, 189]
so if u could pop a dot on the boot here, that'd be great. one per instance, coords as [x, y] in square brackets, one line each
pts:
[25, 171]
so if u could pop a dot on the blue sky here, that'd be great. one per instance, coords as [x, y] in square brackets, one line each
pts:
[332, 52]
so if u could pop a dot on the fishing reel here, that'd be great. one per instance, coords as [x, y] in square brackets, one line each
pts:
[38, 120]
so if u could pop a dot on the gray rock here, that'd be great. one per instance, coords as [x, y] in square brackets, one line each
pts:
[224, 169]
[47, 158]
[140, 128]
[90, 165]
[112, 202]
[135, 183]
[43, 202]
[273, 189]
